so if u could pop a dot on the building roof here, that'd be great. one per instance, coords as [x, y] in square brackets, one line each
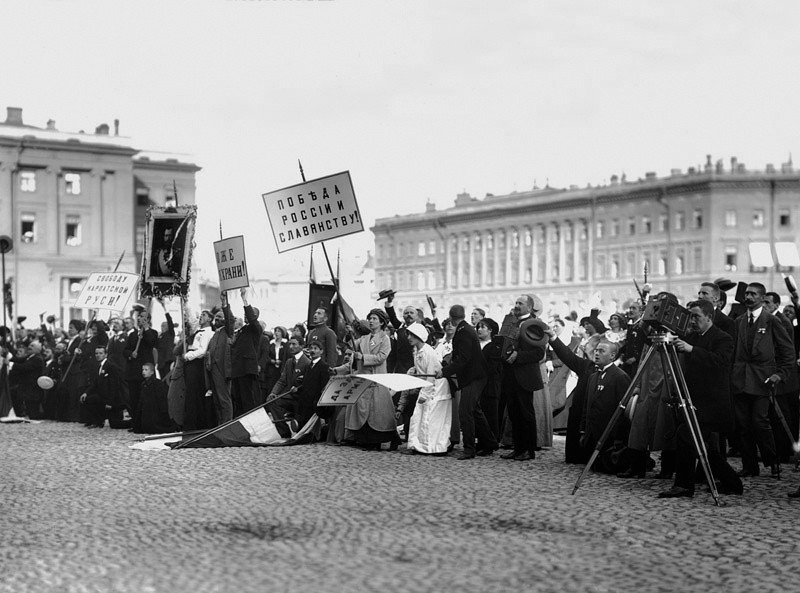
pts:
[651, 187]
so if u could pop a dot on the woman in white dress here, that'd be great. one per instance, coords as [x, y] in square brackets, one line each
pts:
[429, 428]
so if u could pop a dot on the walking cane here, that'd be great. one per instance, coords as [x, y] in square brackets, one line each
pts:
[787, 430]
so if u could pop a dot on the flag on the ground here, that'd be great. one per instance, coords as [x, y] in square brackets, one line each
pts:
[253, 429]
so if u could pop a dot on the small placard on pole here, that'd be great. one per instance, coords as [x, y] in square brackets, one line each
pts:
[314, 211]
[107, 290]
[231, 263]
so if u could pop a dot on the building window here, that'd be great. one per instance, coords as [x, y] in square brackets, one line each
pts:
[477, 242]
[646, 265]
[420, 280]
[614, 267]
[432, 248]
[72, 184]
[615, 227]
[401, 249]
[698, 259]
[515, 239]
[601, 229]
[730, 258]
[528, 238]
[73, 230]
[27, 180]
[421, 249]
[490, 241]
[758, 219]
[663, 222]
[680, 221]
[27, 230]
[647, 225]
[662, 264]
[600, 267]
[697, 219]
[431, 280]
[784, 218]
[730, 218]
[631, 226]
[568, 232]
[410, 279]
[630, 264]
[679, 263]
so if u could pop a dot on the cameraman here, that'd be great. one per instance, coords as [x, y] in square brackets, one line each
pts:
[708, 352]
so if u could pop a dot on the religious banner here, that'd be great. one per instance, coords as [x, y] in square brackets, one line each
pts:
[107, 290]
[169, 243]
[313, 211]
[231, 263]
[344, 390]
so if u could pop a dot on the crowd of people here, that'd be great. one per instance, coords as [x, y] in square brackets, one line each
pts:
[510, 384]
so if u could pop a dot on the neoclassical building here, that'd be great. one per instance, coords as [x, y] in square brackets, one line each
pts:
[577, 248]
[72, 204]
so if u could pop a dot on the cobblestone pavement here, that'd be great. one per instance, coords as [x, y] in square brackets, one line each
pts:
[83, 512]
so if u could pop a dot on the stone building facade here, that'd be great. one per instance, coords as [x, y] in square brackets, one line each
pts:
[72, 203]
[579, 248]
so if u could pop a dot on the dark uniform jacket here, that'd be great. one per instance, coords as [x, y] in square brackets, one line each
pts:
[760, 351]
[708, 368]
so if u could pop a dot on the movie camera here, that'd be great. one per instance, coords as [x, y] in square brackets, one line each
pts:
[664, 313]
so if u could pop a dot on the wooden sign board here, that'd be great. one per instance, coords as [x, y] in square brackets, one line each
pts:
[231, 263]
[107, 290]
[313, 211]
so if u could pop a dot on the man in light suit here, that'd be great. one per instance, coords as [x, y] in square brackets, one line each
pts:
[763, 357]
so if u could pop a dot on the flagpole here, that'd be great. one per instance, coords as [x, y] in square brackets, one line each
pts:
[327, 259]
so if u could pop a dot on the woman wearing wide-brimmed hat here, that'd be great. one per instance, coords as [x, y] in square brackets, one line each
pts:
[370, 421]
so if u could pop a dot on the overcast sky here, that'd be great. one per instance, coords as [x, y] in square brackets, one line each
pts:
[418, 100]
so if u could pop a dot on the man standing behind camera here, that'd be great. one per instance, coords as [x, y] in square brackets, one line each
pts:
[708, 351]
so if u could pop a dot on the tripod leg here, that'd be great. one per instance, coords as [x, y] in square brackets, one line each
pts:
[682, 389]
[615, 417]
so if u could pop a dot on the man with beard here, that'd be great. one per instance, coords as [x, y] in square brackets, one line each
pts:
[320, 332]
[763, 357]
[521, 377]
[218, 362]
[707, 353]
[404, 359]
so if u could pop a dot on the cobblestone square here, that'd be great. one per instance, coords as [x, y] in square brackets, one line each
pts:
[81, 511]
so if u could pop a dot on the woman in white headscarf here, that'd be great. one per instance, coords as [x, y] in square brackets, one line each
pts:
[429, 428]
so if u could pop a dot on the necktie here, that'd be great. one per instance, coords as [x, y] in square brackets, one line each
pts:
[750, 319]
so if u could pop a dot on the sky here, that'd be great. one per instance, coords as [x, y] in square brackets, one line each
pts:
[419, 100]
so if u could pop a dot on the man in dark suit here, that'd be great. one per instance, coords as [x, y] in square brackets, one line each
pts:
[166, 344]
[521, 377]
[403, 357]
[466, 367]
[218, 362]
[300, 405]
[139, 348]
[290, 382]
[104, 397]
[710, 292]
[601, 386]
[27, 367]
[708, 351]
[244, 360]
[763, 356]
[634, 339]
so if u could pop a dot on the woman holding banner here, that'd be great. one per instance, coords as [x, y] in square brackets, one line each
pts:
[370, 421]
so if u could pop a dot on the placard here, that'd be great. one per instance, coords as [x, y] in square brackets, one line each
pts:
[313, 211]
[231, 263]
[107, 290]
[344, 390]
